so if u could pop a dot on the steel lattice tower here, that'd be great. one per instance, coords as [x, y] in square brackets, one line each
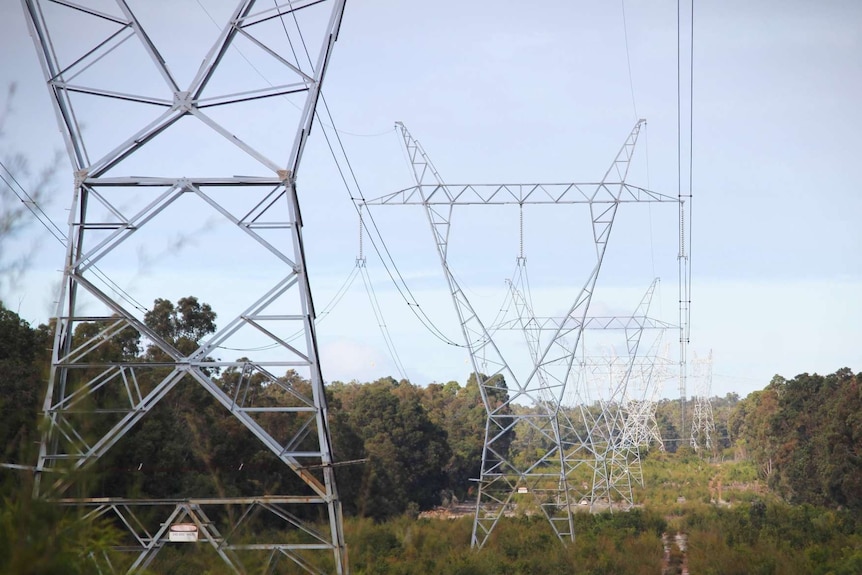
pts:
[601, 442]
[648, 376]
[544, 476]
[97, 55]
[702, 423]
[605, 400]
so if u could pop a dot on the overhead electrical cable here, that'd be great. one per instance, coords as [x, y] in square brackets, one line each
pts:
[681, 248]
[31, 205]
[36, 210]
[380, 246]
[259, 73]
[646, 136]
[628, 59]
[684, 271]
[375, 305]
[381, 322]
[339, 295]
[413, 305]
[412, 302]
[649, 204]
[690, 162]
[378, 312]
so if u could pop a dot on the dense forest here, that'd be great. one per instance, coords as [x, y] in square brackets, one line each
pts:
[781, 491]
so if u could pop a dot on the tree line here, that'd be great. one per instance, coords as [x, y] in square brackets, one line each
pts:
[805, 433]
[402, 447]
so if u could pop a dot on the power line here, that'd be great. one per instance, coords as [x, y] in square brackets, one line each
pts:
[259, 73]
[414, 306]
[684, 258]
[34, 208]
[378, 314]
[628, 58]
[680, 255]
[690, 159]
[31, 205]
[402, 287]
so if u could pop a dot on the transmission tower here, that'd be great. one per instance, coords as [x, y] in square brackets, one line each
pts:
[647, 379]
[119, 103]
[601, 395]
[619, 454]
[542, 386]
[702, 424]
[600, 442]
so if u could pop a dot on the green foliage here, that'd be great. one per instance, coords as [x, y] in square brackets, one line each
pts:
[744, 471]
[422, 445]
[183, 325]
[406, 450]
[23, 364]
[622, 543]
[772, 537]
[461, 413]
[41, 537]
[806, 435]
[189, 319]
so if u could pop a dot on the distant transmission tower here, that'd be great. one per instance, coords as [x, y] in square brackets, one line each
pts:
[648, 377]
[599, 440]
[622, 461]
[605, 401]
[543, 475]
[702, 424]
[153, 157]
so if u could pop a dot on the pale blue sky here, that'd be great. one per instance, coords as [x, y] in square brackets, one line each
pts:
[514, 92]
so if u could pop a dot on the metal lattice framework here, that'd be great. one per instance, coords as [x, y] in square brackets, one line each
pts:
[605, 395]
[543, 475]
[702, 423]
[605, 406]
[648, 377]
[598, 442]
[95, 55]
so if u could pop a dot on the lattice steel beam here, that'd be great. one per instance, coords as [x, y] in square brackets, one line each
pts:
[110, 211]
[544, 476]
[702, 423]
